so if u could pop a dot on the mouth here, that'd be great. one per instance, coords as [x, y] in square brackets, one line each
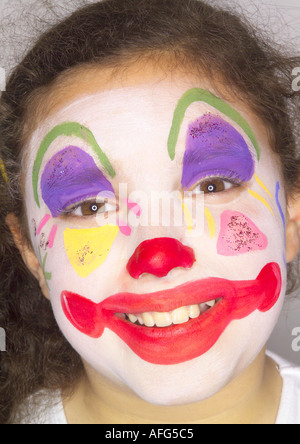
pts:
[176, 325]
[178, 316]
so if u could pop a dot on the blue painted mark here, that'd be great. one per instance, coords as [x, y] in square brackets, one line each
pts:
[278, 204]
[283, 220]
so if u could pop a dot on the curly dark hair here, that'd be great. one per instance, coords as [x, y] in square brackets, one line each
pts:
[113, 32]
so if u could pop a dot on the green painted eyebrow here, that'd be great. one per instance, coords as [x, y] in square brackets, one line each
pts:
[67, 129]
[201, 95]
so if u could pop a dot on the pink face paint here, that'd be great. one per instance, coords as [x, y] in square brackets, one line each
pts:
[135, 207]
[43, 223]
[52, 236]
[239, 235]
[124, 227]
[177, 343]
[159, 256]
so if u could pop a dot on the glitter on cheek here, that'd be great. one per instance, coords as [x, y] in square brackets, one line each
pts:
[42, 240]
[239, 235]
[87, 249]
[34, 227]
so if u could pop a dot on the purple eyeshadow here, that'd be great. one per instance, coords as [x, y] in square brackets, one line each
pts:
[70, 177]
[215, 148]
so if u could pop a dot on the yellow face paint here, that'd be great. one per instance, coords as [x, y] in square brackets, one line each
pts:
[3, 171]
[188, 217]
[87, 249]
[211, 223]
[261, 199]
[262, 185]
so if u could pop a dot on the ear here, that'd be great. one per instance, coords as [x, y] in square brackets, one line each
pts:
[27, 252]
[293, 229]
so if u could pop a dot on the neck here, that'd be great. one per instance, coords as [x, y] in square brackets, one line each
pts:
[252, 398]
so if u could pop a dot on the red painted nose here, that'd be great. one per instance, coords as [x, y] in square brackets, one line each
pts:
[159, 256]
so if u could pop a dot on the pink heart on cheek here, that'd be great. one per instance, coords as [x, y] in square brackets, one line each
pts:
[239, 235]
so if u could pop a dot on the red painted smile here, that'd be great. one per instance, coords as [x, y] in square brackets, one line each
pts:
[183, 342]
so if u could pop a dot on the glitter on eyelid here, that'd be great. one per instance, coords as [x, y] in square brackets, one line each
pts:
[215, 148]
[70, 176]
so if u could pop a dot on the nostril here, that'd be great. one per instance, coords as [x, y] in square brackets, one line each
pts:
[159, 256]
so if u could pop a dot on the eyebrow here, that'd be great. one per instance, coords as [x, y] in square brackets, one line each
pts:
[202, 95]
[67, 129]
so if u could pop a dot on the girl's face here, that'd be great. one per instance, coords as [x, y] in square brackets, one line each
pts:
[157, 213]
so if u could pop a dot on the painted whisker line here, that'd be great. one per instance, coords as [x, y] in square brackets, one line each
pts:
[261, 199]
[52, 236]
[279, 206]
[43, 222]
[283, 220]
[211, 223]
[262, 185]
[188, 217]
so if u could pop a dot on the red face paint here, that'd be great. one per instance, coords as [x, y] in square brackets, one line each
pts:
[177, 343]
[159, 256]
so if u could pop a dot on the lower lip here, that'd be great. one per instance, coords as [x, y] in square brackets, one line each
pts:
[178, 343]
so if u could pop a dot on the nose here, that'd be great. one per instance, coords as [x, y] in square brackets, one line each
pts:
[159, 256]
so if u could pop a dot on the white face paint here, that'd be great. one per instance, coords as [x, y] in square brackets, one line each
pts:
[86, 258]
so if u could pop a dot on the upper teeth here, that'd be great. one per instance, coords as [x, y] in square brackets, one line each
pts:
[178, 316]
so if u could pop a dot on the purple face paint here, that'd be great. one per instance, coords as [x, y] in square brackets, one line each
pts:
[70, 177]
[215, 149]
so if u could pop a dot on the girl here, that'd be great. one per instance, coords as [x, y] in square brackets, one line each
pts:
[123, 117]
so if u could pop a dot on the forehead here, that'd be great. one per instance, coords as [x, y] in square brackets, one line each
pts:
[128, 107]
[143, 75]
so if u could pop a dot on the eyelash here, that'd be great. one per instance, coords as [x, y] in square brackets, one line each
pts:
[71, 212]
[229, 180]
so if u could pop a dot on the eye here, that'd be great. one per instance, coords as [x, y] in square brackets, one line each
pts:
[91, 208]
[214, 185]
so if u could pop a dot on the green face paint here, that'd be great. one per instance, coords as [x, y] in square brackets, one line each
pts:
[201, 95]
[67, 129]
[48, 276]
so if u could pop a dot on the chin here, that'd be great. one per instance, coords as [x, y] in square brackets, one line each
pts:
[201, 378]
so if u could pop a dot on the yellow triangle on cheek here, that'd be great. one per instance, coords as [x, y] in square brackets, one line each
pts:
[87, 249]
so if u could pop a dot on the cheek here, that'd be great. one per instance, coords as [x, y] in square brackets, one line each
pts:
[87, 249]
[239, 235]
